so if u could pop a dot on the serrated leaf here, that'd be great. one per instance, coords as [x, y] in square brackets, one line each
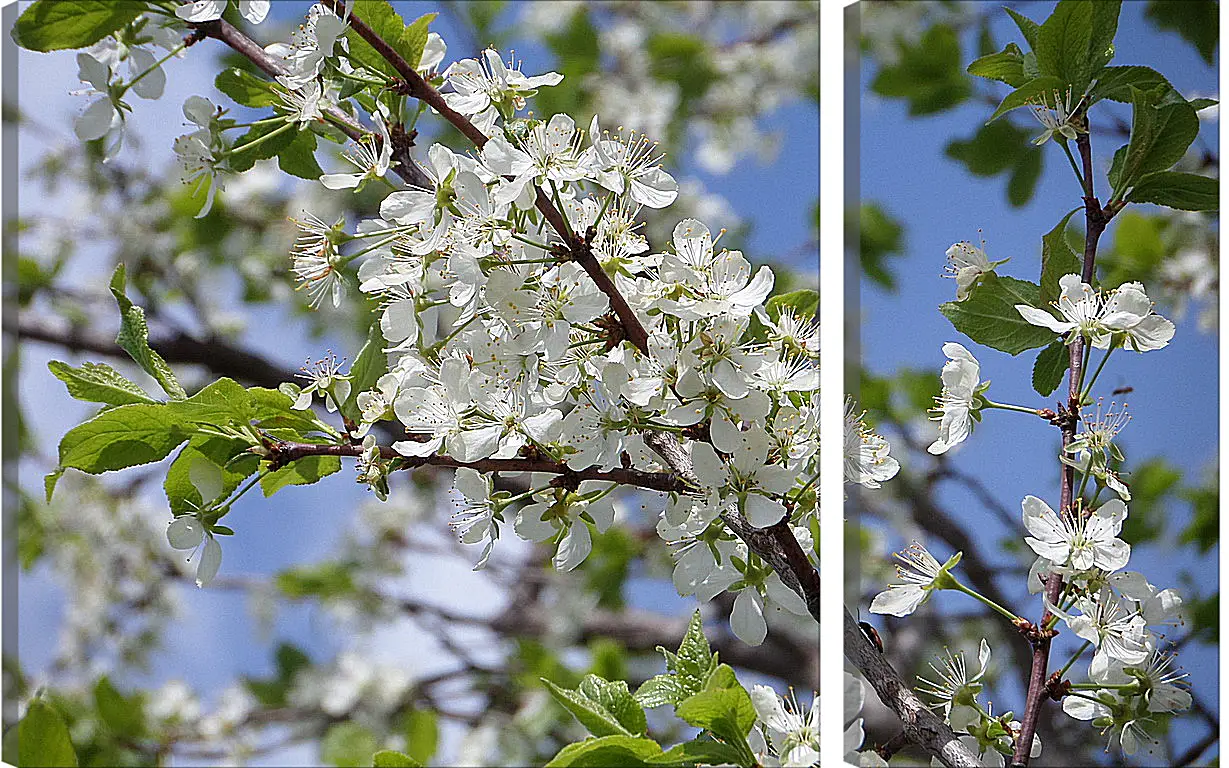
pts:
[1038, 87]
[989, 317]
[1181, 191]
[662, 689]
[406, 40]
[98, 383]
[1057, 259]
[1063, 43]
[42, 738]
[245, 88]
[387, 758]
[702, 751]
[601, 707]
[1049, 366]
[1101, 41]
[726, 712]
[125, 436]
[298, 157]
[304, 471]
[50, 480]
[607, 752]
[134, 338]
[52, 25]
[1160, 136]
[1027, 27]
[1114, 83]
[1006, 66]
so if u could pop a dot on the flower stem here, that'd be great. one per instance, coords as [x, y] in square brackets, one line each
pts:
[987, 601]
[260, 140]
[152, 67]
[1008, 407]
[1085, 392]
[1063, 672]
[1071, 159]
[534, 243]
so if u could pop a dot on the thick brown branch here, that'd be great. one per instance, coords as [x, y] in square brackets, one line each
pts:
[922, 726]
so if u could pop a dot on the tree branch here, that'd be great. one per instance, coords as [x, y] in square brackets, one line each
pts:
[922, 726]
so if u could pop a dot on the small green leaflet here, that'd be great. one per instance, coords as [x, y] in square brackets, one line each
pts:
[98, 383]
[134, 338]
[52, 25]
[1049, 367]
[989, 316]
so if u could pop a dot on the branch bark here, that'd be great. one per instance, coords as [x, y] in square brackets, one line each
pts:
[922, 726]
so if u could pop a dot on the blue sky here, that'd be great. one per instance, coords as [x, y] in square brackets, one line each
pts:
[1176, 389]
[216, 638]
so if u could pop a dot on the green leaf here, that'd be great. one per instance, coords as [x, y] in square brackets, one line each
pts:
[124, 715]
[125, 436]
[1049, 367]
[1038, 87]
[134, 338]
[804, 302]
[702, 750]
[370, 364]
[1063, 43]
[422, 734]
[989, 317]
[272, 147]
[1104, 27]
[50, 480]
[1195, 20]
[1057, 259]
[52, 25]
[387, 758]
[347, 744]
[1183, 191]
[1029, 28]
[245, 88]
[298, 158]
[384, 21]
[727, 712]
[1114, 83]
[1001, 147]
[928, 74]
[305, 471]
[221, 402]
[689, 669]
[98, 383]
[607, 752]
[1201, 104]
[229, 456]
[1159, 137]
[1006, 66]
[1023, 180]
[42, 738]
[604, 707]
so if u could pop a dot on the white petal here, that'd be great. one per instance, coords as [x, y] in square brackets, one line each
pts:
[185, 532]
[747, 617]
[211, 560]
[574, 547]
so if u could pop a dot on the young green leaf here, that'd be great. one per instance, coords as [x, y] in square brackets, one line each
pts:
[804, 303]
[229, 456]
[1160, 136]
[1182, 191]
[607, 751]
[298, 158]
[687, 671]
[1063, 44]
[125, 436]
[245, 88]
[98, 383]
[134, 338]
[305, 471]
[1049, 367]
[726, 712]
[370, 364]
[1104, 27]
[1114, 83]
[52, 25]
[1029, 28]
[605, 708]
[989, 317]
[243, 159]
[1006, 66]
